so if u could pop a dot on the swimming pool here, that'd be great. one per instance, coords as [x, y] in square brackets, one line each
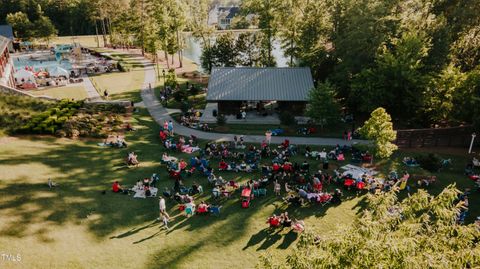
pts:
[39, 62]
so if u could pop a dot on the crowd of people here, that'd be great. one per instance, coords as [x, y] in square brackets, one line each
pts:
[296, 182]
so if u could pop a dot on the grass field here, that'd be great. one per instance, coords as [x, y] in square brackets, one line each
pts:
[121, 85]
[75, 226]
[76, 92]
[86, 41]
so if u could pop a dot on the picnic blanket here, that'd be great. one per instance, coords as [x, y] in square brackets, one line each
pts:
[357, 171]
[140, 193]
[170, 159]
[189, 149]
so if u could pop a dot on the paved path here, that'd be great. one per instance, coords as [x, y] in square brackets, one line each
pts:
[160, 115]
[92, 93]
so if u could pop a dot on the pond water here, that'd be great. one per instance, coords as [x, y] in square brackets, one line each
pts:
[193, 51]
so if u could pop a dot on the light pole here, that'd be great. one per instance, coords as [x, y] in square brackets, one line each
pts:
[471, 143]
[164, 88]
[163, 72]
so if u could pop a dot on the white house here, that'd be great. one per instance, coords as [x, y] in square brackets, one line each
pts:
[221, 17]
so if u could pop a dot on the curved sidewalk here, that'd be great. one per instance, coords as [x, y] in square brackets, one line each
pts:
[160, 115]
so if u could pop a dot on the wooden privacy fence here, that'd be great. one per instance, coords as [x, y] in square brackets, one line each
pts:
[436, 137]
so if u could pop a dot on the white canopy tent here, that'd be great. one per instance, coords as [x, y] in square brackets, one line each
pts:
[23, 75]
[58, 72]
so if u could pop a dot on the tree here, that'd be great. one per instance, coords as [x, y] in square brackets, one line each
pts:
[466, 99]
[225, 50]
[396, 81]
[466, 50]
[440, 94]
[265, 10]
[247, 47]
[171, 79]
[314, 40]
[22, 26]
[206, 59]
[322, 106]
[239, 22]
[43, 27]
[379, 129]
[223, 53]
[289, 24]
[198, 12]
[419, 231]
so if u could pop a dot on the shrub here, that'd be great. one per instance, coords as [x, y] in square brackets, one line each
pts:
[171, 79]
[430, 162]
[180, 95]
[194, 90]
[185, 106]
[221, 120]
[60, 133]
[287, 118]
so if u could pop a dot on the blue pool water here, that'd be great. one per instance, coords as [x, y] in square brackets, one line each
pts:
[40, 63]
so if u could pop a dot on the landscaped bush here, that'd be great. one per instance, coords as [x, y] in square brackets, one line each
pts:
[180, 95]
[185, 106]
[194, 90]
[171, 79]
[221, 120]
[430, 162]
[73, 119]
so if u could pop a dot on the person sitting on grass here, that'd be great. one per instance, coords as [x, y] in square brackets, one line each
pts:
[129, 127]
[120, 142]
[285, 220]
[298, 225]
[116, 187]
[222, 166]
[182, 165]
[216, 192]
[276, 188]
[203, 208]
[132, 159]
[273, 221]
[163, 135]
[51, 184]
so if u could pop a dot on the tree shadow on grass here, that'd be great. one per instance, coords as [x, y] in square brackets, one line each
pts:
[134, 230]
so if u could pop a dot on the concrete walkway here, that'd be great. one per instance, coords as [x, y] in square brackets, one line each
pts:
[92, 93]
[160, 115]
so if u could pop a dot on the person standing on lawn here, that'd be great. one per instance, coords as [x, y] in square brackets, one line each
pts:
[268, 136]
[170, 127]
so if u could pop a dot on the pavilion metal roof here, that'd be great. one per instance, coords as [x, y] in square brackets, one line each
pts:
[259, 84]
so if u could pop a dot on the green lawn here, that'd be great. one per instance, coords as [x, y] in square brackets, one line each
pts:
[196, 101]
[75, 226]
[76, 92]
[86, 41]
[120, 85]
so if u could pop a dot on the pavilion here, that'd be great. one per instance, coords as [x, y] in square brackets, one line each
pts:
[265, 90]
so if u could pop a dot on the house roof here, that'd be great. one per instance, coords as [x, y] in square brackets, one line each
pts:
[218, 12]
[3, 43]
[229, 12]
[6, 31]
[259, 84]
